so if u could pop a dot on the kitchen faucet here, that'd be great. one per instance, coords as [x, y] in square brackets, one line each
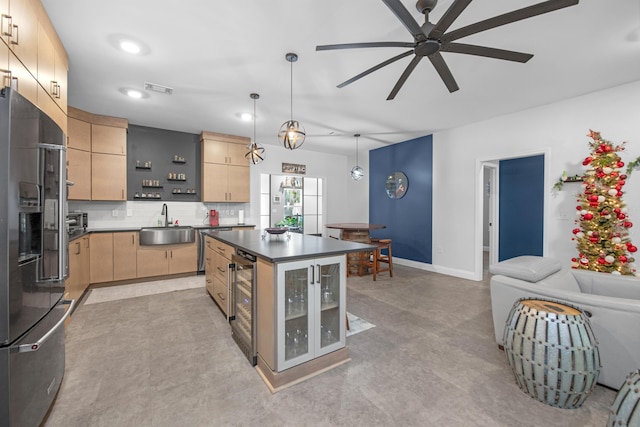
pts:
[165, 212]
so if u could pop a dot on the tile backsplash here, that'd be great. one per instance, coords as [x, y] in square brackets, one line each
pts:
[147, 214]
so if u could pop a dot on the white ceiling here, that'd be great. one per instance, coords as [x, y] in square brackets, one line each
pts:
[214, 53]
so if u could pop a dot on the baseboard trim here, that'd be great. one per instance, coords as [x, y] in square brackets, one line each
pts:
[436, 269]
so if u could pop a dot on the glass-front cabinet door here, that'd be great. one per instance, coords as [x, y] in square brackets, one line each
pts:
[311, 309]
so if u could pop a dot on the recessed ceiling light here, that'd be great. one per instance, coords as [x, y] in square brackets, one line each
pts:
[130, 47]
[246, 116]
[134, 93]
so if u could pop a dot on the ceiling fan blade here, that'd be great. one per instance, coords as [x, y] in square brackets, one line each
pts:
[403, 78]
[488, 52]
[508, 18]
[442, 69]
[405, 17]
[363, 45]
[456, 8]
[377, 67]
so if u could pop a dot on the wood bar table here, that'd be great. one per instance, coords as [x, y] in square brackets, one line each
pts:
[355, 232]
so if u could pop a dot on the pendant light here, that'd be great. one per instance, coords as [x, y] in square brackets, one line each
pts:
[291, 133]
[357, 172]
[256, 152]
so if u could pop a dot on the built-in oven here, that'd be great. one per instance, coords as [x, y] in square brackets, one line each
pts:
[243, 303]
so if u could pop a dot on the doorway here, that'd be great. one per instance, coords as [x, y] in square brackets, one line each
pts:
[292, 201]
[511, 197]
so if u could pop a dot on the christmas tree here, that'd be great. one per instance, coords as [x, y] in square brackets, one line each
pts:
[602, 237]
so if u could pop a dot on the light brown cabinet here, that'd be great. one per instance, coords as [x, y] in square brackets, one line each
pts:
[217, 272]
[105, 173]
[21, 31]
[79, 172]
[108, 139]
[125, 248]
[113, 256]
[161, 260]
[101, 269]
[38, 63]
[108, 177]
[225, 170]
[21, 80]
[79, 265]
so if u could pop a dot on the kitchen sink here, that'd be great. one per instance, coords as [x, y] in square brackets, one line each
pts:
[167, 235]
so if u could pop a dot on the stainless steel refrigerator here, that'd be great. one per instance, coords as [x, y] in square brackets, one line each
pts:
[33, 260]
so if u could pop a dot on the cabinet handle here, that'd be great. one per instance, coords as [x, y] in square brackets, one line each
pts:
[318, 277]
[166, 255]
[313, 274]
[171, 254]
[77, 248]
[14, 40]
[53, 86]
[86, 239]
[133, 239]
[9, 25]
[123, 194]
[221, 297]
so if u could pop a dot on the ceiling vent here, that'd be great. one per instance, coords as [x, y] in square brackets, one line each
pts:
[158, 88]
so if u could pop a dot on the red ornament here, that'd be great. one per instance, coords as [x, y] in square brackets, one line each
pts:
[593, 198]
[620, 164]
[617, 210]
[622, 258]
[593, 239]
[578, 208]
[604, 212]
[574, 259]
[621, 216]
[576, 230]
[586, 161]
[601, 261]
[588, 216]
[620, 193]
[623, 176]
[593, 204]
[607, 148]
[632, 249]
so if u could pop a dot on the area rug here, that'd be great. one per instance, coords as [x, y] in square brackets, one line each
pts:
[113, 293]
[357, 325]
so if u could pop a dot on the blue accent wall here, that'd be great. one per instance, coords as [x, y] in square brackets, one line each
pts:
[521, 201]
[408, 219]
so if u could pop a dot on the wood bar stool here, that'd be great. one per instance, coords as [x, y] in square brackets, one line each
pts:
[377, 258]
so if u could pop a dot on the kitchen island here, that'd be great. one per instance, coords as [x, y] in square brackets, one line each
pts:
[296, 301]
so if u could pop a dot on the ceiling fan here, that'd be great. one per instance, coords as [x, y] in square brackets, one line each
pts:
[431, 39]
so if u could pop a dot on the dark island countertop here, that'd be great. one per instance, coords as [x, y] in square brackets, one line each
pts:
[279, 248]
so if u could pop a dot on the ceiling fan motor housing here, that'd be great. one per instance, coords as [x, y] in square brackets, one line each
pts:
[425, 6]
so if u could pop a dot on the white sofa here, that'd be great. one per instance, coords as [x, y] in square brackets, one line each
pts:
[611, 302]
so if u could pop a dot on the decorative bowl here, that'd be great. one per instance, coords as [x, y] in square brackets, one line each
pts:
[276, 230]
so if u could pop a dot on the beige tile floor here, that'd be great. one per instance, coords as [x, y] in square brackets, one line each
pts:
[169, 360]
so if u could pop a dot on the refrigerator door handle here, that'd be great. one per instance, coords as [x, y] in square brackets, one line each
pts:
[36, 345]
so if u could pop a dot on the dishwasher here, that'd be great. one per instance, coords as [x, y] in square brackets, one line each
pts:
[202, 234]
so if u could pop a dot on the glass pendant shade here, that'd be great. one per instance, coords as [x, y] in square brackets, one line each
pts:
[256, 152]
[291, 134]
[357, 172]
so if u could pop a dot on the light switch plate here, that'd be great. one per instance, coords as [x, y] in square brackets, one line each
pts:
[114, 213]
[129, 212]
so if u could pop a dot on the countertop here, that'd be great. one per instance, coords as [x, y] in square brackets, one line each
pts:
[279, 248]
[78, 234]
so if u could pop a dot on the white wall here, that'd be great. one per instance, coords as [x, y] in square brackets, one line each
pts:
[559, 130]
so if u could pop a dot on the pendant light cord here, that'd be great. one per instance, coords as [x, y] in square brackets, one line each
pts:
[291, 91]
[254, 121]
